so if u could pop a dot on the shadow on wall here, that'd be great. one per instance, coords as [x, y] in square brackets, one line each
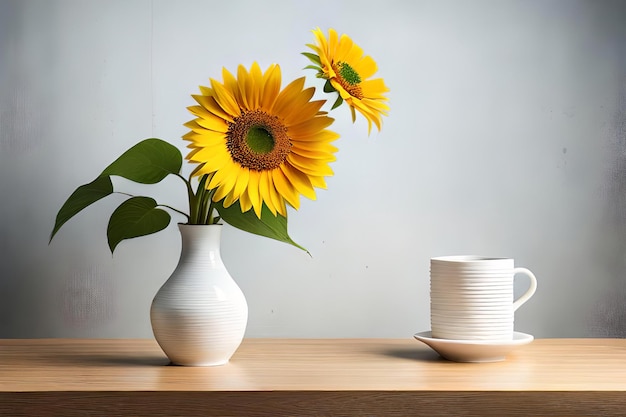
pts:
[609, 315]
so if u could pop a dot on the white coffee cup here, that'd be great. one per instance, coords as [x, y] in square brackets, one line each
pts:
[471, 297]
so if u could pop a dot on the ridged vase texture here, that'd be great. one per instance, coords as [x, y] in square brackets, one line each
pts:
[199, 315]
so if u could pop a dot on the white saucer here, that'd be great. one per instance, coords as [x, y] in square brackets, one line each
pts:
[474, 350]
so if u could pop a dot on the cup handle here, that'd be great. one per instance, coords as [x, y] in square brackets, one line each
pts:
[529, 293]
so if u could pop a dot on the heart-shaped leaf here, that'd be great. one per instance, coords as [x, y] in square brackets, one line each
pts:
[82, 197]
[137, 216]
[148, 162]
[274, 227]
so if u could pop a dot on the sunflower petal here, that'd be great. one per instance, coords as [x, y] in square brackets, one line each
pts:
[366, 67]
[375, 89]
[310, 166]
[284, 187]
[332, 41]
[287, 96]
[318, 182]
[271, 87]
[254, 193]
[299, 180]
[225, 99]
[230, 82]
[205, 138]
[277, 200]
[303, 110]
[264, 192]
[209, 107]
[219, 157]
[314, 146]
[223, 176]
[254, 88]
[243, 79]
[322, 155]
[325, 136]
[241, 184]
[213, 123]
[310, 126]
[245, 203]
[229, 200]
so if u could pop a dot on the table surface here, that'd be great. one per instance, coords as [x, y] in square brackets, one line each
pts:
[78, 365]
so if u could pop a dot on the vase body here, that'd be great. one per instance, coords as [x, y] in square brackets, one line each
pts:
[199, 315]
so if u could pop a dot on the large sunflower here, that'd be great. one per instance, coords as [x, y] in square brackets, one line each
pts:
[260, 145]
[342, 63]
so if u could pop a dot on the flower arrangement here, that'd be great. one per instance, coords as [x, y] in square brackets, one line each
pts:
[257, 148]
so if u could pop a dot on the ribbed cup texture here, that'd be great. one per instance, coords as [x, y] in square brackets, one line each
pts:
[199, 315]
[471, 297]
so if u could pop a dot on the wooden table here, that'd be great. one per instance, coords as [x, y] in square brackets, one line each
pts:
[299, 377]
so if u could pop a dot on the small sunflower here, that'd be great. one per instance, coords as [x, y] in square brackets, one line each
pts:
[342, 63]
[260, 145]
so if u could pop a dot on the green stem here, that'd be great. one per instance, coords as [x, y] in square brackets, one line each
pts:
[158, 205]
[191, 197]
[203, 208]
[201, 194]
[201, 204]
[173, 209]
[195, 203]
[208, 206]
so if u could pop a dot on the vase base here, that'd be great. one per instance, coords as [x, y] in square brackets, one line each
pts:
[199, 364]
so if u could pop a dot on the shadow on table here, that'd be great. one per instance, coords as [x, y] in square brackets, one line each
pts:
[111, 359]
[414, 354]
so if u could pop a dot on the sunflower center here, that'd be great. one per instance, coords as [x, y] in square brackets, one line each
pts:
[348, 73]
[258, 140]
[349, 79]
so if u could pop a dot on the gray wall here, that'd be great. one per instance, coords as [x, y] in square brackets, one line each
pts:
[507, 137]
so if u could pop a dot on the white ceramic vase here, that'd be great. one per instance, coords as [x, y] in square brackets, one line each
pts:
[199, 315]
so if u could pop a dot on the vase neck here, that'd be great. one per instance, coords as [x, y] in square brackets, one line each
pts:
[201, 240]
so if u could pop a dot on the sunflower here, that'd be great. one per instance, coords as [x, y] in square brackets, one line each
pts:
[257, 144]
[342, 63]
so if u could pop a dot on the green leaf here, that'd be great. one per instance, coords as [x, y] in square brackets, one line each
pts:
[314, 58]
[137, 216]
[148, 162]
[313, 67]
[82, 197]
[328, 87]
[337, 103]
[274, 227]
